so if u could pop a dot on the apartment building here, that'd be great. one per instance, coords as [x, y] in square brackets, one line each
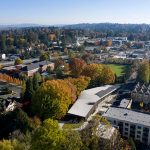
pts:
[130, 123]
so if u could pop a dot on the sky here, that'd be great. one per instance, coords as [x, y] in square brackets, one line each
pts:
[52, 12]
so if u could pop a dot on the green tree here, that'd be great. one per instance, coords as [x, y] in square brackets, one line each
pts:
[23, 122]
[12, 145]
[35, 80]
[18, 61]
[131, 142]
[53, 98]
[3, 43]
[47, 137]
[43, 57]
[72, 140]
[144, 72]
[23, 89]
[29, 89]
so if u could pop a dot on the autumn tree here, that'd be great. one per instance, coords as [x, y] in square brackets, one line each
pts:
[107, 76]
[80, 83]
[53, 98]
[18, 61]
[58, 63]
[47, 137]
[11, 145]
[99, 74]
[76, 66]
[6, 145]
[93, 71]
[10, 79]
[87, 57]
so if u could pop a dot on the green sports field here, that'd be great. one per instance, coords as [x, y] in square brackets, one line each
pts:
[119, 69]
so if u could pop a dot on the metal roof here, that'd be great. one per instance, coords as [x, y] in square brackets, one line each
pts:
[124, 103]
[88, 98]
[126, 115]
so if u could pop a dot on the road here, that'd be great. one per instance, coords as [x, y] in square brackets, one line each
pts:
[26, 61]
[16, 90]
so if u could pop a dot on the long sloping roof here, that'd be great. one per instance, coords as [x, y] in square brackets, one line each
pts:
[88, 98]
[35, 65]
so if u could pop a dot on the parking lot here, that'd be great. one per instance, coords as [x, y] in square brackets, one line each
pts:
[16, 90]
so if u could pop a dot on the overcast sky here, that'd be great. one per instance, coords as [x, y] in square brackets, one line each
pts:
[74, 11]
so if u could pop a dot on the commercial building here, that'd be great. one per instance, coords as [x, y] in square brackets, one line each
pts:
[131, 123]
[89, 99]
[31, 69]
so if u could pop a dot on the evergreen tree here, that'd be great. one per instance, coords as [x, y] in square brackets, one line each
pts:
[3, 43]
[35, 82]
[23, 88]
[29, 90]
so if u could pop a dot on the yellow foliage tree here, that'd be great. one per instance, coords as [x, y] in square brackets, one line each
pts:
[107, 76]
[53, 98]
[99, 73]
[80, 83]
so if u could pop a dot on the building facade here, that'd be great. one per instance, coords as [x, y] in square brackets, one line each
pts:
[130, 123]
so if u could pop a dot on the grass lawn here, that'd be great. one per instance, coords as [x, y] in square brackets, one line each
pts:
[119, 69]
[72, 125]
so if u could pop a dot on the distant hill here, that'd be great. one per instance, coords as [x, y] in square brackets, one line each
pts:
[18, 26]
[110, 26]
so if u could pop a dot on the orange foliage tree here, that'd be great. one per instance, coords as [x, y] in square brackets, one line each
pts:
[9, 79]
[76, 66]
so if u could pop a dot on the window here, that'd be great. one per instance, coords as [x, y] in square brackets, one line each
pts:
[139, 132]
[138, 136]
[126, 124]
[139, 127]
[126, 129]
[145, 130]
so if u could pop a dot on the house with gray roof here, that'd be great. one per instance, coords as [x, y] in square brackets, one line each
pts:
[141, 93]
